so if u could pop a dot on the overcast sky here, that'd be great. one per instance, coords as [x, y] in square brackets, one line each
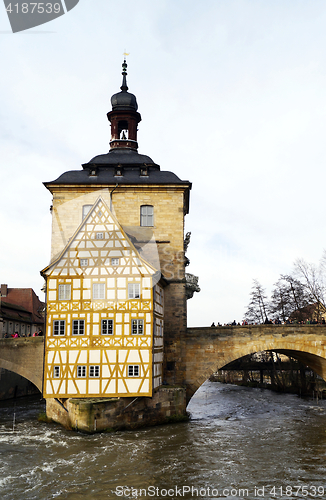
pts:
[232, 97]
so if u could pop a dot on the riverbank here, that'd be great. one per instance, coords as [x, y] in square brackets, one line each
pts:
[306, 383]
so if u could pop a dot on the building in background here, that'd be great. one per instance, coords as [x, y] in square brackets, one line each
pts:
[20, 311]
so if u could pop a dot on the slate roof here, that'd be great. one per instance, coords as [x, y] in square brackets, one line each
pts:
[105, 171]
[121, 156]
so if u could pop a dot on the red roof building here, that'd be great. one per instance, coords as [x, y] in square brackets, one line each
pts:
[21, 311]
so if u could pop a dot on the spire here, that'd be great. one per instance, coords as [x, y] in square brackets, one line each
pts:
[124, 86]
[124, 117]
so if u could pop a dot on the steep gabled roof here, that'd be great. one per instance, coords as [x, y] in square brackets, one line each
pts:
[112, 243]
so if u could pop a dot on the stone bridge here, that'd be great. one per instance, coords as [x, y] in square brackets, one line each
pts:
[25, 357]
[193, 357]
[208, 349]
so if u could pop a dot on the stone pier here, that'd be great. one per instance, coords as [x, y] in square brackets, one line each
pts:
[90, 415]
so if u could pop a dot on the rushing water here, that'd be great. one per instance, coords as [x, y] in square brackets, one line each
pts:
[240, 443]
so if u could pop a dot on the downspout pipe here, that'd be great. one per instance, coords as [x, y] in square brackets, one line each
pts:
[111, 193]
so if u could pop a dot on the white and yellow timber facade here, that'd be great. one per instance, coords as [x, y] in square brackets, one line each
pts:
[104, 332]
[115, 285]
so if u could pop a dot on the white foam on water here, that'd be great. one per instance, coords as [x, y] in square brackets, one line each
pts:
[4, 481]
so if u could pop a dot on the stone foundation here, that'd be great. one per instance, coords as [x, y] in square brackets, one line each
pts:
[90, 415]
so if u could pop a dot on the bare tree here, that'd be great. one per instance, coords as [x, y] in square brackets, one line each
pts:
[258, 307]
[280, 305]
[290, 299]
[313, 281]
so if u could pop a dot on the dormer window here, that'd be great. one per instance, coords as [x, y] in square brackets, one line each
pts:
[118, 171]
[93, 172]
[144, 172]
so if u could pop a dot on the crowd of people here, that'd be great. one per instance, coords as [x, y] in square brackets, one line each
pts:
[276, 321]
[16, 335]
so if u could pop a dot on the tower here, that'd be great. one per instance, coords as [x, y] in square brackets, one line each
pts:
[116, 288]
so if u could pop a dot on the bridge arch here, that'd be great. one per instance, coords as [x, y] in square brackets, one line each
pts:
[209, 349]
[24, 356]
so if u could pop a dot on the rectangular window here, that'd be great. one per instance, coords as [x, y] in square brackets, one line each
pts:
[81, 371]
[83, 262]
[147, 215]
[107, 327]
[133, 370]
[86, 209]
[94, 371]
[137, 327]
[114, 262]
[159, 296]
[78, 327]
[64, 292]
[98, 291]
[99, 236]
[56, 371]
[59, 327]
[133, 290]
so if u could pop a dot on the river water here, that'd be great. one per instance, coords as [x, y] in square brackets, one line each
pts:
[240, 443]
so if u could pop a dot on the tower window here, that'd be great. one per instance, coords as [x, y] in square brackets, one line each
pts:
[123, 129]
[147, 215]
[86, 209]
